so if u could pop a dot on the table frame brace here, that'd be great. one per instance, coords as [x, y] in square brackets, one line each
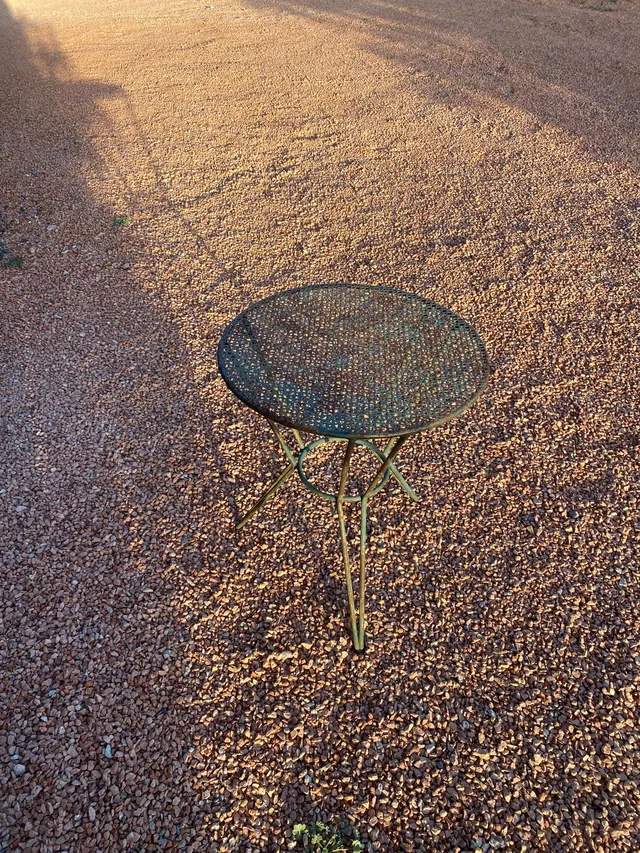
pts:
[386, 469]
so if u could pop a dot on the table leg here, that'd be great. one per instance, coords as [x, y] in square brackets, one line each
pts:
[388, 463]
[283, 444]
[273, 488]
[363, 549]
[358, 620]
[357, 617]
[358, 642]
[281, 479]
[359, 631]
[398, 476]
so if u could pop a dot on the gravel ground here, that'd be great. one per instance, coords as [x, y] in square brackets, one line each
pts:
[170, 684]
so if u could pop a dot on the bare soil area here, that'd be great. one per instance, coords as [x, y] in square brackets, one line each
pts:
[169, 684]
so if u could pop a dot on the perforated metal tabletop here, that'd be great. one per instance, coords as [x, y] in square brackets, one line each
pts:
[353, 361]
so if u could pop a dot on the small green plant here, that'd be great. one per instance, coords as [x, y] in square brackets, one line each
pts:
[119, 220]
[15, 262]
[322, 838]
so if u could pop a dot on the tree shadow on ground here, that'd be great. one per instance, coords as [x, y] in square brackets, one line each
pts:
[103, 439]
[118, 503]
[572, 65]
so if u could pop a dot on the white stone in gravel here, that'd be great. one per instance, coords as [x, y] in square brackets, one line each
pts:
[19, 769]
[107, 751]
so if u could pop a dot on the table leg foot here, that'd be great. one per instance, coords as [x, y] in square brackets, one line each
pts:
[359, 639]
[365, 645]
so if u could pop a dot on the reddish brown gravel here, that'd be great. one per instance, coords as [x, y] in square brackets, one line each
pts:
[168, 684]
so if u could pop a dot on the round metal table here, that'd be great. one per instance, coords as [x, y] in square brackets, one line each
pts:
[351, 363]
